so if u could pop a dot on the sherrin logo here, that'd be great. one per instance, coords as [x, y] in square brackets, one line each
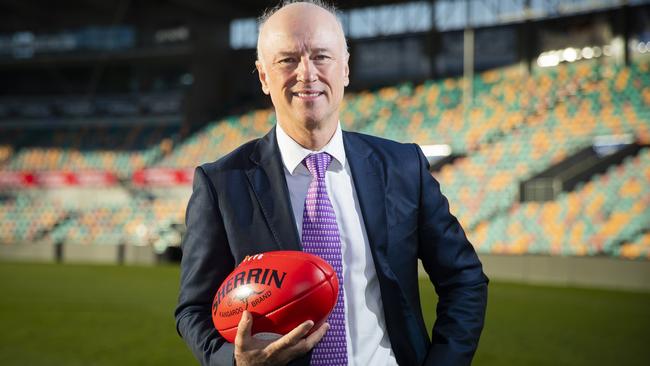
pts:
[241, 286]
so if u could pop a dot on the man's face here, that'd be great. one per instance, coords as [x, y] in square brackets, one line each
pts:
[303, 65]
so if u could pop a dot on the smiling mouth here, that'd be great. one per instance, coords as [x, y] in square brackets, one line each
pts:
[308, 95]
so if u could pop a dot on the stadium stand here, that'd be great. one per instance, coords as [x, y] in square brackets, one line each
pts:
[640, 248]
[595, 219]
[490, 175]
[25, 220]
[118, 149]
[218, 139]
[119, 224]
[517, 126]
[5, 153]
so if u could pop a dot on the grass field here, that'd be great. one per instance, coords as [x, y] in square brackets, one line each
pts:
[107, 315]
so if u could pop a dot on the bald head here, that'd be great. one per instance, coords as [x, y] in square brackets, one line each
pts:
[303, 66]
[296, 17]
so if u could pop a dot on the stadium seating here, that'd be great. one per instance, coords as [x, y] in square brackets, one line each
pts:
[127, 224]
[516, 126]
[595, 219]
[5, 152]
[489, 176]
[24, 220]
[117, 149]
[640, 248]
[219, 138]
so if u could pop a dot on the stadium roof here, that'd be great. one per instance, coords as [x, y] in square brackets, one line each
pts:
[36, 15]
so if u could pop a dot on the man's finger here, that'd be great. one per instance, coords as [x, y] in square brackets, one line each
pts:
[316, 336]
[292, 337]
[244, 329]
[304, 345]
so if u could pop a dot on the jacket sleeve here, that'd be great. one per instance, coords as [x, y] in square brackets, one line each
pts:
[206, 262]
[456, 273]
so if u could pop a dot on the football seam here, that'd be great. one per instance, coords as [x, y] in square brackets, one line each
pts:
[315, 262]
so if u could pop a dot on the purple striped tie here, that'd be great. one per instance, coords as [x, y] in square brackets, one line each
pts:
[320, 236]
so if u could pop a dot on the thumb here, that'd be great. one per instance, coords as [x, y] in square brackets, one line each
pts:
[244, 329]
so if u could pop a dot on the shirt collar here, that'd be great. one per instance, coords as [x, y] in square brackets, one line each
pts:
[293, 153]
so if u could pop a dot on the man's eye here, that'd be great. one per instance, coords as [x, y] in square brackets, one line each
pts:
[287, 60]
[321, 57]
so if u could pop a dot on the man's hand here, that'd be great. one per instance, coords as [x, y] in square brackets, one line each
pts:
[250, 351]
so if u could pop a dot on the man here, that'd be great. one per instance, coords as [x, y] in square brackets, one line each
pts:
[384, 209]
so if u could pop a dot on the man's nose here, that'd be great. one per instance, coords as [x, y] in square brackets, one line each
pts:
[306, 70]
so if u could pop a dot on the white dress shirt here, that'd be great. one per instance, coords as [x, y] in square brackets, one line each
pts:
[367, 339]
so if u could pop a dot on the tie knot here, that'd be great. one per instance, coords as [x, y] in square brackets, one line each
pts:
[317, 164]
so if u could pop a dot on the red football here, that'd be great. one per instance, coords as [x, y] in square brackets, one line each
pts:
[280, 289]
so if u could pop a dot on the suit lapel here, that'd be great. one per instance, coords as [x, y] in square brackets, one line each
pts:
[266, 178]
[367, 174]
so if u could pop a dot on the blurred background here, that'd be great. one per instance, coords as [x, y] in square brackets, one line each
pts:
[534, 114]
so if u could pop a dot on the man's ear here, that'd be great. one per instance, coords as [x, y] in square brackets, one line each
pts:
[346, 80]
[262, 75]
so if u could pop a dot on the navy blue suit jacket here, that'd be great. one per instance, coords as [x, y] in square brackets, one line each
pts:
[240, 206]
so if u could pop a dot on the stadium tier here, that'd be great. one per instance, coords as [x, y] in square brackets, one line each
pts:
[487, 180]
[218, 139]
[5, 152]
[134, 223]
[120, 150]
[640, 248]
[595, 219]
[517, 126]
[433, 113]
[25, 220]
